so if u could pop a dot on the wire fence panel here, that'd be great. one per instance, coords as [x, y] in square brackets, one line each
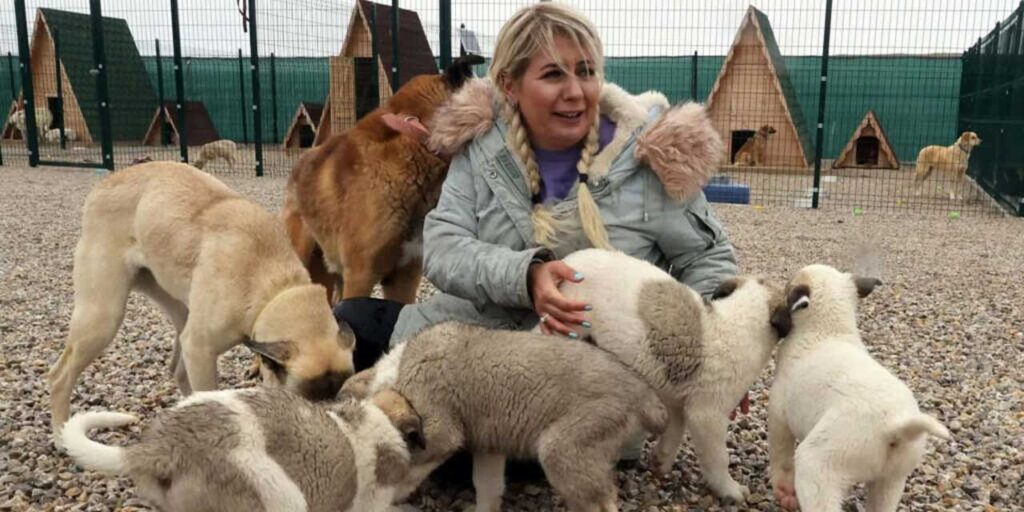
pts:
[900, 77]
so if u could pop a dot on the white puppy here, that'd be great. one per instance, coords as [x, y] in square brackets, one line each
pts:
[855, 421]
[700, 357]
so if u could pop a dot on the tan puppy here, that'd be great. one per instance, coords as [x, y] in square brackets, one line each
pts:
[948, 160]
[217, 264]
[752, 152]
[223, 149]
[355, 205]
[260, 449]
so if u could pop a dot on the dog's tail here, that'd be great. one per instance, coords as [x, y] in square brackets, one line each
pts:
[653, 415]
[912, 427]
[91, 454]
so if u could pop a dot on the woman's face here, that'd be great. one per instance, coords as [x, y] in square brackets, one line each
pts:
[558, 108]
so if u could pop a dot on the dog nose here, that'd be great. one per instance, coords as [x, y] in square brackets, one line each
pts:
[324, 387]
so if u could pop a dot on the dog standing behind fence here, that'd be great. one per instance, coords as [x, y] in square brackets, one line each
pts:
[948, 160]
[223, 149]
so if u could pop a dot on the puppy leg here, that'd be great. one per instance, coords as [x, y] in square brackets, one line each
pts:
[781, 449]
[668, 445]
[358, 280]
[818, 486]
[579, 464]
[178, 315]
[404, 282]
[708, 428]
[884, 495]
[199, 356]
[101, 292]
[489, 481]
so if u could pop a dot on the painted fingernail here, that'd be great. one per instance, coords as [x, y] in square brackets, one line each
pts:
[573, 335]
[577, 276]
[588, 307]
[586, 324]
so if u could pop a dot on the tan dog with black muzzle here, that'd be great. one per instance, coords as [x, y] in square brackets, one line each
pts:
[220, 267]
[260, 449]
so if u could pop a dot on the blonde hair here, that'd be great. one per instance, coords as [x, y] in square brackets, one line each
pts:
[532, 30]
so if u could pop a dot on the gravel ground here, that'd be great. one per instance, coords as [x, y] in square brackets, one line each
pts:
[948, 321]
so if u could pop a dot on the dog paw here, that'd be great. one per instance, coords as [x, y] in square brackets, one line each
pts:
[785, 493]
[733, 493]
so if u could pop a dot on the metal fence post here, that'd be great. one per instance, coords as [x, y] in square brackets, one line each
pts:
[693, 77]
[160, 95]
[32, 135]
[445, 12]
[179, 83]
[100, 58]
[60, 86]
[273, 95]
[822, 90]
[254, 60]
[10, 71]
[241, 98]
[394, 46]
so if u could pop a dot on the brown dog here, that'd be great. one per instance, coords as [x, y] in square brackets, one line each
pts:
[355, 205]
[752, 152]
[217, 264]
[949, 160]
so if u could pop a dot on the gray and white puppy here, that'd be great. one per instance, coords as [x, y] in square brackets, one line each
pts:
[523, 395]
[262, 449]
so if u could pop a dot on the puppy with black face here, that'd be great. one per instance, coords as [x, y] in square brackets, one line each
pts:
[217, 264]
[836, 416]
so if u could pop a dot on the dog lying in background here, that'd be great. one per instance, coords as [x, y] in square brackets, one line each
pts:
[355, 205]
[700, 358]
[53, 135]
[854, 421]
[752, 152]
[260, 449]
[950, 161]
[516, 394]
[217, 264]
[43, 120]
[223, 149]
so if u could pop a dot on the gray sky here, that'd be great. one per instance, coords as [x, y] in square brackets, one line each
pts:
[628, 27]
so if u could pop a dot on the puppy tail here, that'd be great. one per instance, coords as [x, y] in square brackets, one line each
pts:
[653, 415]
[911, 428]
[91, 454]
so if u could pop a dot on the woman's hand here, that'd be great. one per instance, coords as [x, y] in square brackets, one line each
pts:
[557, 313]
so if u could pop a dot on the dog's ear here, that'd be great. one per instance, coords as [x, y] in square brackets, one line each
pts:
[461, 69]
[799, 297]
[865, 285]
[781, 319]
[726, 289]
[403, 416]
[277, 351]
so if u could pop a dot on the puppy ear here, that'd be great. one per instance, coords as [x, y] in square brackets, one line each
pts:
[403, 416]
[865, 285]
[461, 69]
[358, 385]
[726, 289]
[799, 297]
[277, 351]
[782, 320]
[346, 336]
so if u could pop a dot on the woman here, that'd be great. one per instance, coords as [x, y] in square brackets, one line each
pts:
[549, 159]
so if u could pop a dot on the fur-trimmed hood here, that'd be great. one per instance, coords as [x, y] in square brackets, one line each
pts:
[680, 145]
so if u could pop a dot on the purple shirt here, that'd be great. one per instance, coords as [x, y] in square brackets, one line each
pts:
[558, 168]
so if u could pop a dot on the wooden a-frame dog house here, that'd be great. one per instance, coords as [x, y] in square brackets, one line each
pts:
[868, 148]
[753, 89]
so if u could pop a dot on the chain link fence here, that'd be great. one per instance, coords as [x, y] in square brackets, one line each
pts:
[821, 103]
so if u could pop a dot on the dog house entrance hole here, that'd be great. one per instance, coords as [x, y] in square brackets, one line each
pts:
[56, 112]
[306, 136]
[739, 137]
[867, 150]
